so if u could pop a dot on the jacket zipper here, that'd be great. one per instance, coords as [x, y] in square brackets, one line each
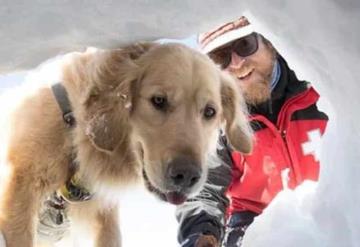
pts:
[287, 152]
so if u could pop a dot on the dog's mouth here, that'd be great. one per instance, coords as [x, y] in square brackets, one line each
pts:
[173, 197]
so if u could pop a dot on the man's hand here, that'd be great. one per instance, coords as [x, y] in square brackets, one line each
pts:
[207, 241]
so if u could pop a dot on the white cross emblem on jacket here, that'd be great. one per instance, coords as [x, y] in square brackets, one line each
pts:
[313, 146]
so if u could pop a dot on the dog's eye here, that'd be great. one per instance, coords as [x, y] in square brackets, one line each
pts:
[159, 102]
[209, 112]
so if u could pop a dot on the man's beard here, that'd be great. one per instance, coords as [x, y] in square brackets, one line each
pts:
[259, 90]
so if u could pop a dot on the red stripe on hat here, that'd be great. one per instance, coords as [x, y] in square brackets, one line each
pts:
[207, 37]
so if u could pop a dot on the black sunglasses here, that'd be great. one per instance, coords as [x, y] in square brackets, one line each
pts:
[243, 47]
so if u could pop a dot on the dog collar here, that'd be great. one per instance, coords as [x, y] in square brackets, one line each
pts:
[72, 191]
[62, 99]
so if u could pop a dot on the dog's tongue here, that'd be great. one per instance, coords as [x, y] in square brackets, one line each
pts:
[176, 198]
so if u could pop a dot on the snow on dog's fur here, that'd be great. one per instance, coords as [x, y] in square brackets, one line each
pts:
[145, 111]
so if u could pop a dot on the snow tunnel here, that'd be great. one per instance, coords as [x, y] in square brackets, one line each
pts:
[321, 42]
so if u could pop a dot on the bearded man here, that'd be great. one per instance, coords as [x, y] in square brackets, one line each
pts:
[286, 124]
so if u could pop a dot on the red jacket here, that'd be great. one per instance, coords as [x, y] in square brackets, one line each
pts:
[284, 154]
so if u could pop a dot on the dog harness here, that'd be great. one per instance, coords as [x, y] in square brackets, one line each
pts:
[53, 219]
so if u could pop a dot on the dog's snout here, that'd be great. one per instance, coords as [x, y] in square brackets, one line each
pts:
[184, 172]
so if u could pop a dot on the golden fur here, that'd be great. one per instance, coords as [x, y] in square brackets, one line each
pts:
[118, 132]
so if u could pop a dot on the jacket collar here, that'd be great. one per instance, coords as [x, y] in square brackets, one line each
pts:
[288, 87]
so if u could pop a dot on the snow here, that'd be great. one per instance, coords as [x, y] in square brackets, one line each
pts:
[2, 240]
[319, 39]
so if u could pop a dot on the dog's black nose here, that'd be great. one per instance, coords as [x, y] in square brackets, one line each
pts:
[183, 172]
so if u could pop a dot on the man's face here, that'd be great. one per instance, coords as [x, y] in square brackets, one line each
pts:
[253, 72]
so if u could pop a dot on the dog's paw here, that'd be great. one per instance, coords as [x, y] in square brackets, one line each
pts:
[207, 241]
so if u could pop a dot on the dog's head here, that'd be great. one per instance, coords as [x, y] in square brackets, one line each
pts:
[169, 101]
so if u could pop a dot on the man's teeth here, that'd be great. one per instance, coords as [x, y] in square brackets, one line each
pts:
[245, 74]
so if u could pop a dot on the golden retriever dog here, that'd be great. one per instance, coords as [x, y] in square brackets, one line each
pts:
[144, 112]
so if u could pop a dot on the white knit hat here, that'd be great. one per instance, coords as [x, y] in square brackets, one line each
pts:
[224, 34]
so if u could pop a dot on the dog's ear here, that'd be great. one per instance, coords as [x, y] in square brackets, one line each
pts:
[107, 117]
[105, 130]
[237, 127]
[110, 100]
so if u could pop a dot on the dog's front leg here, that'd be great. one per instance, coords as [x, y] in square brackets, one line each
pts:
[108, 231]
[18, 211]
